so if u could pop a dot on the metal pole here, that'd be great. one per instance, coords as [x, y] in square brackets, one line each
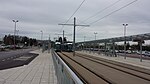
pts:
[125, 40]
[105, 47]
[141, 51]
[41, 35]
[99, 48]
[15, 21]
[74, 33]
[63, 41]
[84, 44]
[114, 53]
[74, 37]
[49, 45]
[42, 41]
[95, 36]
[90, 47]
[95, 42]
[15, 36]
[63, 36]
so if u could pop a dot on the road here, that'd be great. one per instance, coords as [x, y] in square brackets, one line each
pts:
[15, 58]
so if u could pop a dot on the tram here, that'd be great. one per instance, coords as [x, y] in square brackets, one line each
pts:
[67, 47]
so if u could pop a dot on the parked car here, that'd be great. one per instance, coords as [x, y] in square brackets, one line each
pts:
[135, 52]
[2, 48]
[117, 51]
[128, 51]
[147, 53]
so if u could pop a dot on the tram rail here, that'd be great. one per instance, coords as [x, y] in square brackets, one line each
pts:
[104, 70]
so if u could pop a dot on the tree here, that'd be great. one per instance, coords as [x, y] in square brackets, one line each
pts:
[5, 39]
[128, 45]
[34, 42]
[60, 39]
[9, 40]
[65, 40]
[25, 40]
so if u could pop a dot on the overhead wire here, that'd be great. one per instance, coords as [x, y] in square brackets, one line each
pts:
[102, 10]
[113, 12]
[73, 14]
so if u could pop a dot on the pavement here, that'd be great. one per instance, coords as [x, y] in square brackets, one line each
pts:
[132, 61]
[39, 71]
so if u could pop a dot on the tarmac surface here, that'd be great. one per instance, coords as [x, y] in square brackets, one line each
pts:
[128, 60]
[17, 60]
[39, 71]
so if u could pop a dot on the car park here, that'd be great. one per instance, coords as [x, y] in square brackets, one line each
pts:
[147, 53]
[128, 51]
[2, 48]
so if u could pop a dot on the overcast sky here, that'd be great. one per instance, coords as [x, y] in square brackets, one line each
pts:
[45, 15]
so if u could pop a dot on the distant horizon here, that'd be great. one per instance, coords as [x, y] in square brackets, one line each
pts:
[106, 18]
[147, 41]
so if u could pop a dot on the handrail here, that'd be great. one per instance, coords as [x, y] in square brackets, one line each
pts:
[71, 73]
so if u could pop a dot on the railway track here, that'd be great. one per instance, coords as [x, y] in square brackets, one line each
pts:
[82, 72]
[109, 72]
[129, 69]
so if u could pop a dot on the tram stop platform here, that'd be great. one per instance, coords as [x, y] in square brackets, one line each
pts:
[131, 61]
[38, 71]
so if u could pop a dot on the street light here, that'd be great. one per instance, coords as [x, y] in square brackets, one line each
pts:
[125, 25]
[15, 21]
[42, 41]
[84, 43]
[95, 40]
[41, 35]
[95, 34]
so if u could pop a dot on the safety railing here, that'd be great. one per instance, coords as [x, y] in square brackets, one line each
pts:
[64, 74]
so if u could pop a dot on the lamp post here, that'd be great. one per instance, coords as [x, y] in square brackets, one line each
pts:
[42, 41]
[95, 34]
[15, 21]
[49, 44]
[84, 43]
[41, 35]
[125, 25]
[95, 40]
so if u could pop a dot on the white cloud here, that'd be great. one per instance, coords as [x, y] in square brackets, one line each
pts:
[36, 15]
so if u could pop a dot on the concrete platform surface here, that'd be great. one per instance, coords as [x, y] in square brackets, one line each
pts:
[128, 60]
[39, 71]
